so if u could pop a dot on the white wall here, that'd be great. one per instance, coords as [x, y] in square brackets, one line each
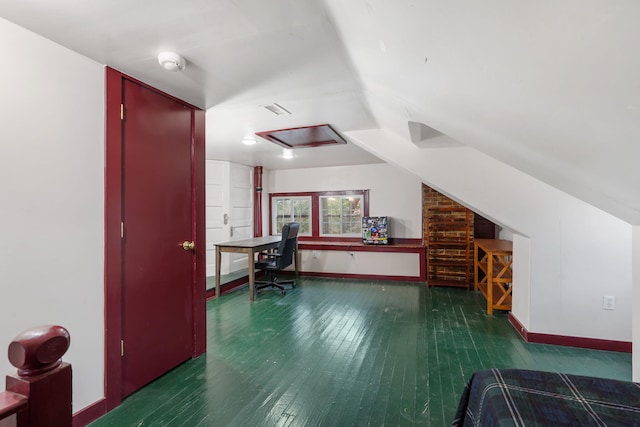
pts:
[521, 269]
[392, 191]
[636, 303]
[576, 252]
[51, 193]
[361, 263]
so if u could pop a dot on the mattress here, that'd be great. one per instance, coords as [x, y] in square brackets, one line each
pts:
[515, 397]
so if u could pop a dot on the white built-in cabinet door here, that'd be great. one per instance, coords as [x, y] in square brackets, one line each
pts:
[217, 211]
[229, 211]
[241, 211]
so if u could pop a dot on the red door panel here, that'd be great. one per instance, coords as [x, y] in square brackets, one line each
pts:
[157, 215]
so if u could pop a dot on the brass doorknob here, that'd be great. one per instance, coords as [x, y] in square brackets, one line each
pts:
[188, 246]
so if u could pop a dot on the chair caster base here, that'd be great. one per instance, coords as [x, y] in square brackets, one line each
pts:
[260, 285]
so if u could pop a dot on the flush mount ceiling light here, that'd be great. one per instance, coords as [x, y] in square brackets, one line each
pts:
[249, 141]
[171, 61]
[287, 153]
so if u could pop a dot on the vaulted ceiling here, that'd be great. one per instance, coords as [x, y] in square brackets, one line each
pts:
[551, 88]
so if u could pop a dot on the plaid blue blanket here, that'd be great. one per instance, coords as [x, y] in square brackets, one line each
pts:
[513, 397]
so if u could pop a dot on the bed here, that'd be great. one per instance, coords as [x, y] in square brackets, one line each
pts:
[515, 397]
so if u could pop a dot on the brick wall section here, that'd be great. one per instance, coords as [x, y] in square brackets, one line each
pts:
[432, 198]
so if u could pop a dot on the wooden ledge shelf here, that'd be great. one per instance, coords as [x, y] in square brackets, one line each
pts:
[404, 247]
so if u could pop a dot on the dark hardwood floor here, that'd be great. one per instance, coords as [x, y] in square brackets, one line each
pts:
[345, 353]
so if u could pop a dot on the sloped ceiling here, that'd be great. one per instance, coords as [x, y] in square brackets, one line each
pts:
[550, 88]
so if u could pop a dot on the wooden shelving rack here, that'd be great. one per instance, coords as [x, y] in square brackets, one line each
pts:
[492, 272]
[448, 246]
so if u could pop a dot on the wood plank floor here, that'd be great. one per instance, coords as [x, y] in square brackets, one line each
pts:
[345, 353]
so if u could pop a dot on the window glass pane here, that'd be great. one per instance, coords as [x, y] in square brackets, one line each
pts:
[296, 209]
[338, 215]
[351, 214]
[301, 209]
[341, 215]
[330, 215]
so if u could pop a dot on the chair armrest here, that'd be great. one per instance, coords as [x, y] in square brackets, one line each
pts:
[272, 255]
[266, 255]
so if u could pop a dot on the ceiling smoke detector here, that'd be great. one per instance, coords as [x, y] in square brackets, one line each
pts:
[171, 61]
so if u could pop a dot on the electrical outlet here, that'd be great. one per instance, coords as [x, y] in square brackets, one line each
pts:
[608, 302]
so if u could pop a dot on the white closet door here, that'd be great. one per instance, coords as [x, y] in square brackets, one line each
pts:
[241, 217]
[229, 214]
[217, 206]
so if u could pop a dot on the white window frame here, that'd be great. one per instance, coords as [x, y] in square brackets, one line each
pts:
[274, 210]
[341, 197]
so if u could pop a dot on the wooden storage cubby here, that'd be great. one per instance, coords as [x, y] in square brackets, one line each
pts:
[448, 246]
[492, 272]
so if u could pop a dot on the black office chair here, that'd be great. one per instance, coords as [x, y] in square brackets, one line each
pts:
[281, 258]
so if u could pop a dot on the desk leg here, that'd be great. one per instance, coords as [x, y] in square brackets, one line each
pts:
[295, 261]
[252, 276]
[218, 260]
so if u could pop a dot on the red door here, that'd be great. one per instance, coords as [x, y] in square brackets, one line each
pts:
[157, 323]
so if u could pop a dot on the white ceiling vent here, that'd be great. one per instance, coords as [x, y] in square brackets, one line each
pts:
[277, 109]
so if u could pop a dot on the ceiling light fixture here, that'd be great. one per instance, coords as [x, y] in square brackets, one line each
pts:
[249, 141]
[171, 61]
[287, 154]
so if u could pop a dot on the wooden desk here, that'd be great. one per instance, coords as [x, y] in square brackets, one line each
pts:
[249, 247]
[494, 259]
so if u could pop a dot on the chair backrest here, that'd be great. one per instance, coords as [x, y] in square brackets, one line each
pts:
[287, 244]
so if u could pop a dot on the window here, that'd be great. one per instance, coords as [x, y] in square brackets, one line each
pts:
[289, 209]
[341, 215]
[328, 215]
